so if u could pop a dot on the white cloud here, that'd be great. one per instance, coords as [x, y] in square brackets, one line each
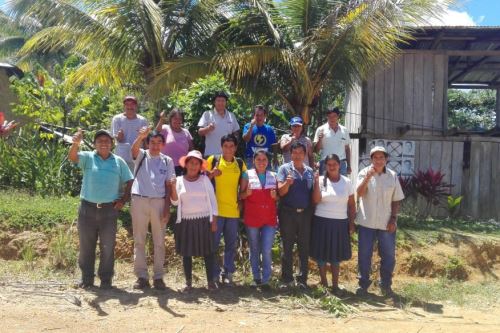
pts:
[452, 17]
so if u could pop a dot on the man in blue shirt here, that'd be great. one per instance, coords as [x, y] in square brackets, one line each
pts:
[295, 185]
[105, 189]
[257, 135]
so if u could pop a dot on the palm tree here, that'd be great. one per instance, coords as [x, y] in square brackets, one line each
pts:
[301, 46]
[120, 41]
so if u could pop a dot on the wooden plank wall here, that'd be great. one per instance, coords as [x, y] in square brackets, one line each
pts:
[479, 184]
[410, 91]
[353, 121]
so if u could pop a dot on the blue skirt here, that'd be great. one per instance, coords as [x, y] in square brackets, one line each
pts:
[330, 240]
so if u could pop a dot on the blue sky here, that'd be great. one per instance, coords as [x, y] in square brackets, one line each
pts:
[466, 12]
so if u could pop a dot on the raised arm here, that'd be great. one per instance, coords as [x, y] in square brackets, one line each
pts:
[136, 146]
[75, 146]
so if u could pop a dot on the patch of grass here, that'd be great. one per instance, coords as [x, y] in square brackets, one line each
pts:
[62, 251]
[28, 254]
[22, 211]
[409, 222]
[460, 293]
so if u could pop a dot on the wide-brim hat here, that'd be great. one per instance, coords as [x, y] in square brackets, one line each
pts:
[196, 154]
[378, 149]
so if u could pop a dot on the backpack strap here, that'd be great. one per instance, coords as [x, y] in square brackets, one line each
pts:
[140, 164]
[215, 163]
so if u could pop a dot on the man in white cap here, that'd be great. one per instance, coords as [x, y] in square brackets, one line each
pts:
[125, 128]
[379, 193]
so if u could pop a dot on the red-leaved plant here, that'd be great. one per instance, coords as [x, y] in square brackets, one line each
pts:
[429, 184]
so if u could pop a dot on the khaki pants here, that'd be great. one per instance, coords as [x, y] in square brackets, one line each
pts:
[145, 211]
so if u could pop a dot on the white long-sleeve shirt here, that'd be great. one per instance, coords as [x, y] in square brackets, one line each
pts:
[195, 199]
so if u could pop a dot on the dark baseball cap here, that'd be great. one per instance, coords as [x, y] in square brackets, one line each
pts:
[102, 132]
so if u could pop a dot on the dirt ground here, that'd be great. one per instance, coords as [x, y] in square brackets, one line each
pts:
[48, 306]
[39, 300]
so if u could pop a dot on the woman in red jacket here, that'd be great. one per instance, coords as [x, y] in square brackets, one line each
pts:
[260, 217]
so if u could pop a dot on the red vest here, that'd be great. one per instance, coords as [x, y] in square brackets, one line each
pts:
[260, 208]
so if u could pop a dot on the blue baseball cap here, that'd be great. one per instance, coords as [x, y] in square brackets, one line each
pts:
[296, 121]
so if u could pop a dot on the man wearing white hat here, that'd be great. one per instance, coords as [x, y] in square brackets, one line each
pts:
[379, 193]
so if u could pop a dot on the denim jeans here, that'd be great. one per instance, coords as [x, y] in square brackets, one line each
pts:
[343, 167]
[386, 251]
[260, 241]
[227, 227]
[97, 223]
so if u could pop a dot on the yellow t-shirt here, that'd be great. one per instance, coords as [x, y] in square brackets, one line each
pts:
[227, 186]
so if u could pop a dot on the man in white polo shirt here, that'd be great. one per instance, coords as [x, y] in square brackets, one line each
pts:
[216, 123]
[333, 138]
[150, 204]
[379, 193]
[125, 128]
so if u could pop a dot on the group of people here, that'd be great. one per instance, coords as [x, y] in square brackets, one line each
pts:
[214, 191]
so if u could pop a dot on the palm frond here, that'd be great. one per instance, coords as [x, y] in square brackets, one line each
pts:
[175, 74]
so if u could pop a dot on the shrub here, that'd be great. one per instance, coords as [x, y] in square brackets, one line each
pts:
[419, 265]
[455, 269]
[62, 251]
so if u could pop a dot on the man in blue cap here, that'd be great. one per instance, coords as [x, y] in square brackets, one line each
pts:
[297, 135]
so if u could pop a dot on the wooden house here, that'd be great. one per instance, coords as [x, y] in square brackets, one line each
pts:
[406, 101]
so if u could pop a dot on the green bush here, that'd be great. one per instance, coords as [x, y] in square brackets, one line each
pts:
[21, 211]
[38, 164]
[455, 269]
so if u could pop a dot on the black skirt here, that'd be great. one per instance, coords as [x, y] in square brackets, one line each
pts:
[194, 238]
[330, 240]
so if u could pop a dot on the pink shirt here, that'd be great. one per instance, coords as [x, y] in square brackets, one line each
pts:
[176, 143]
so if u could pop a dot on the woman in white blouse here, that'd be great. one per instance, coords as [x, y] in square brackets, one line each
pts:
[196, 216]
[333, 221]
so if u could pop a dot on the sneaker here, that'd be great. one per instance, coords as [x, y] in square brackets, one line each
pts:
[106, 284]
[159, 284]
[285, 285]
[362, 292]
[301, 285]
[212, 286]
[387, 292]
[228, 279]
[85, 285]
[338, 291]
[265, 286]
[255, 283]
[187, 288]
[141, 283]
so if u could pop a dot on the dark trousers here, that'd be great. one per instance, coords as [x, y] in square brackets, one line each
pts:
[386, 250]
[97, 223]
[187, 263]
[295, 227]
